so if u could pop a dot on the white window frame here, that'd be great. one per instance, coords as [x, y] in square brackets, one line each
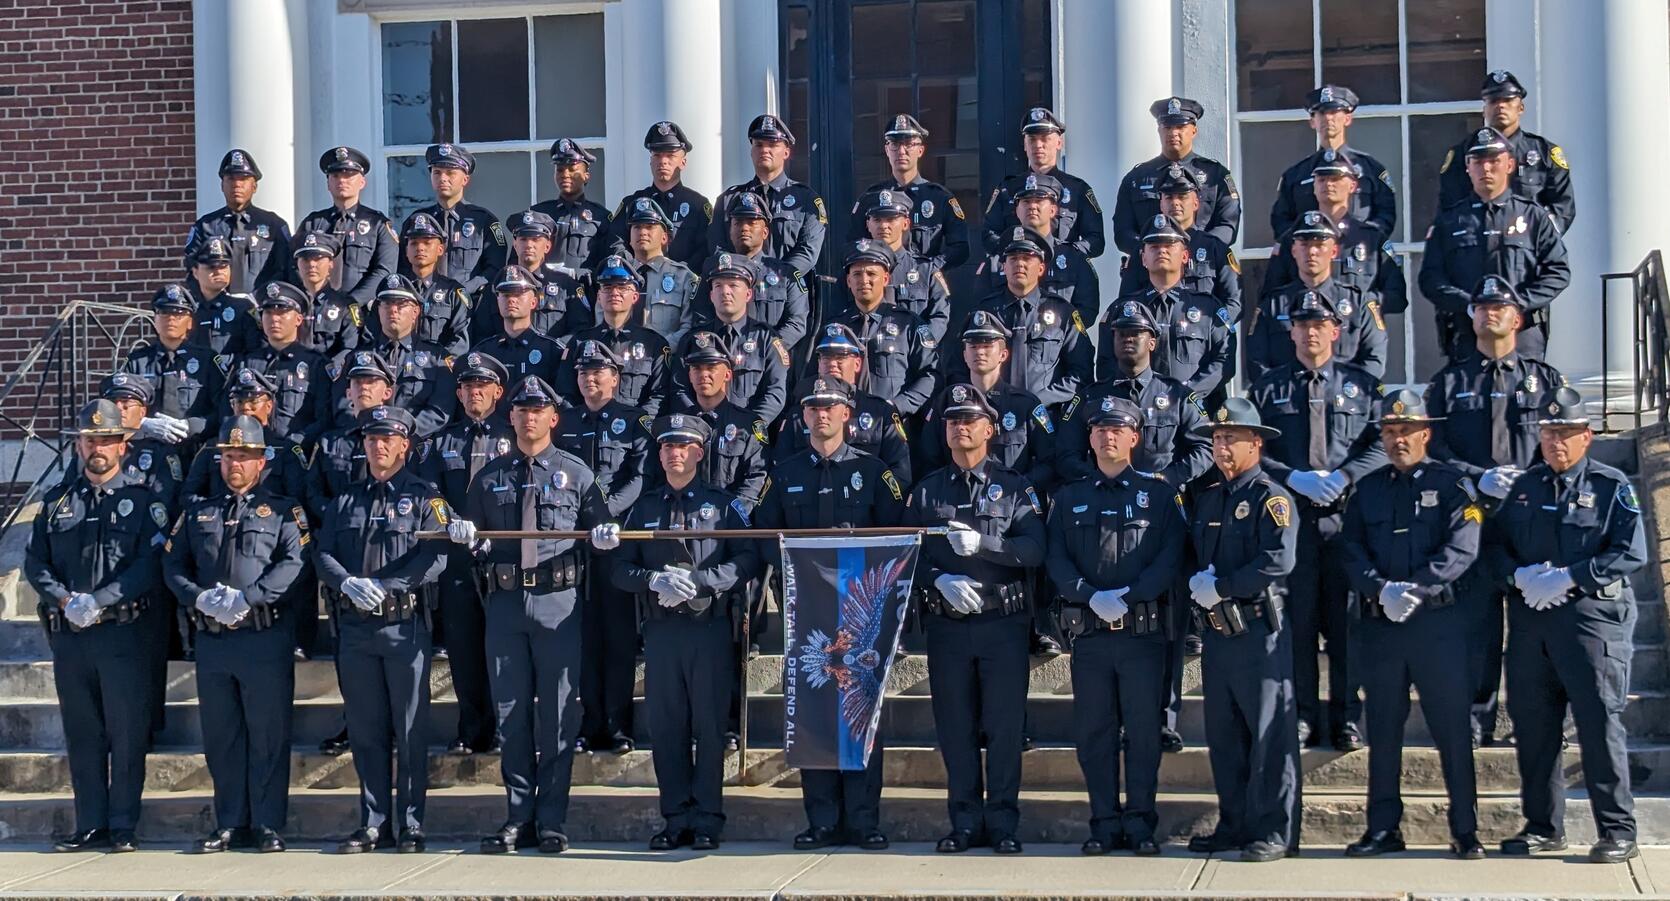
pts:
[386, 152]
[1403, 112]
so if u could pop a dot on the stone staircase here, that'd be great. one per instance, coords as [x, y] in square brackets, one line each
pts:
[614, 797]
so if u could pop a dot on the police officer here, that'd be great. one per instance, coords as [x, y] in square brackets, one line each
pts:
[473, 239]
[450, 460]
[688, 213]
[733, 457]
[1194, 341]
[339, 459]
[1116, 538]
[641, 355]
[259, 239]
[371, 562]
[534, 635]
[1068, 274]
[226, 320]
[797, 217]
[1411, 530]
[1493, 232]
[833, 485]
[1313, 244]
[519, 343]
[607, 434]
[876, 426]
[1079, 221]
[780, 298]
[1365, 260]
[938, 228]
[669, 285]
[92, 559]
[1542, 175]
[917, 282]
[561, 305]
[423, 382]
[150, 460]
[369, 249]
[901, 360]
[1049, 354]
[1331, 108]
[1139, 200]
[686, 589]
[1324, 408]
[185, 377]
[1211, 267]
[337, 319]
[759, 359]
[978, 620]
[1243, 530]
[232, 560]
[1572, 538]
[302, 407]
[446, 302]
[581, 232]
[1490, 400]
[1025, 440]
[250, 393]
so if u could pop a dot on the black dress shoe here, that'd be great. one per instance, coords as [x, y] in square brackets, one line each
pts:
[365, 839]
[1305, 735]
[1145, 847]
[1212, 843]
[267, 841]
[1170, 741]
[123, 841]
[581, 745]
[1467, 847]
[551, 841]
[733, 742]
[1348, 738]
[955, 842]
[814, 838]
[1193, 646]
[1096, 847]
[874, 840]
[1530, 843]
[221, 840]
[704, 841]
[670, 839]
[335, 745]
[297, 654]
[1374, 844]
[412, 841]
[510, 837]
[1262, 851]
[622, 745]
[753, 650]
[1613, 850]
[460, 748]
[1045, 646]
[440, 652]
[88, 840]
[1008, 844]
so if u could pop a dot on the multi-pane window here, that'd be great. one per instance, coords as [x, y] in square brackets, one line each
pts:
[477, 82]
[1415, 65]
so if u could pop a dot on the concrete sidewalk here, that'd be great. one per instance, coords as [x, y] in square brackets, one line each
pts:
[760, 870]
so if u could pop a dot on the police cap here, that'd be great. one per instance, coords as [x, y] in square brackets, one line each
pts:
[1314, 307]
[534, 391]
[984, 325]
[284, 296]
[1495, 289]
[1162, 229]
[531, 224]
[397, 288]
[615, 270]
[126, 385]
[904, 129]
[665, 135]
[770, 128]
[476, 366]
[1177, 179]
[1488, 141]
[1041, 121]
[1035, 185]
[1501, 83]
[1176, 111]
[449, 156]
[596, 355]
[1314, 225]
[344, 159]
[646, 210]
[681, 428]
[387, 420]
[886, 202]
[1331, 97]
[1404, 405]
[237, 161]
[1116, 411]
[567, 150]
[963, 400]
[318, 244]
[1025, 240]
[1334, 162]
[513, 279]
[1133, 316]
[825, 391]
[748, 205]
[704, 347]
[839, 339]
[370, 364]
[247, 382]
[212, 251]
[865, 250]
[732, 265]
[422, 225]
[173, 298]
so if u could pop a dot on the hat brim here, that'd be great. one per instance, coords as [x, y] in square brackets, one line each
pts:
[1177, 119]
[1411, 420]
[679, 436]
[826, 400]
[242, 445]
[1032, 128]
[1205, 431]
[103, 431]
[1585, 422]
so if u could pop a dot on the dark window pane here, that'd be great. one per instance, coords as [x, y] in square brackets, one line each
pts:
[1359, 48]
[408, 187]
[944, 38]
[594, 185]
[1252, 288]
[1446, 50]
[1273, 53]
[1382, 138]
[1035, 34]
[1429, 356]
[417, 82]
[493, 80]
[881, 41]
[568, 52]
[1430, 137]
[1267, 149]
[797, 90]
[503, 182]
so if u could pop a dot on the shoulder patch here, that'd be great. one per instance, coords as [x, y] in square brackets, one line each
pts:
[899, 424]
[823, 214]
[1449, 157]
[439, 506]
[944, 285]
[1374, 310]
[1072, 407]
[741, 510]
[1090, 199]
[782, 351]
[174, 467]
[159, 514]
[1078, 322]
[223, 362]
[1557, 156]
[1627, 498]
[1032, 498]
[1281, 512]
[766, 488]
[892, 483]
[956, 208]
[497, 231]
[1041, 414]
[1234, 264]
[759, 431]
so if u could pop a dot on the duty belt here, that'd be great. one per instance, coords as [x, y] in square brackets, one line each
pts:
[1371, 608]
[261, 617]
[398, 607]
[1230, 617]
[563, 571]
[1141, 619]
[52, 616]
[1009, 597]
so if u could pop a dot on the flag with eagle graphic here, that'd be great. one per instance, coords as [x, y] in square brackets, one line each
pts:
[844, 604]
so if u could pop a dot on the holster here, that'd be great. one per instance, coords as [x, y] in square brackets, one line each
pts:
[52, 618]
[1143, 618]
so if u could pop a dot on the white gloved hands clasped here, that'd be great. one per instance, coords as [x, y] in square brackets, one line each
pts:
[1498, 481]
[365, 593]
[1526, 579]
[1334, 485]
[236, 607]
[166, 429]
[961, 592]
[605, 537]
[672, 587]
[1309, 483]
[1548, 587]
[82, 611]
[1109, 604]
[1203, 586]
[1398, 600]
[965, 542]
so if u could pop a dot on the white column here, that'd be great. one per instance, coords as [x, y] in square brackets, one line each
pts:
[209, 93]
[244, 58]
[750, 81]
[693, 85]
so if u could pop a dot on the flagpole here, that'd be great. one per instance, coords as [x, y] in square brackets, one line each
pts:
[686, 534]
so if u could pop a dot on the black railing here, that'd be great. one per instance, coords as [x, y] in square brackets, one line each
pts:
[1650, 364]
[54, 380]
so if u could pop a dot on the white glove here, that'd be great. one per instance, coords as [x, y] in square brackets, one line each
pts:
[1550, 586]
[1109, 604]
[82, 611]
[1498, 481]
[234, 609]
[961, 592]
[605, 537]
[461, 531]
[1308, 482]
[209, 600]
[164, 428]
[1525, 575]
[965, 542]
[1407, 604]
[1203, 586]
[1335, 483]
[670, 583]
[1398, 600]
[366, 594]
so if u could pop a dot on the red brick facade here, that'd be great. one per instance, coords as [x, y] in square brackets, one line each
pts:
[97, 181]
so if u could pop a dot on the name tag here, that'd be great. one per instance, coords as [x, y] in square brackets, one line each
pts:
[793, 489]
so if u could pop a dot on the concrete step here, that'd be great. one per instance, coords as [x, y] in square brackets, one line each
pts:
[761, 813]
[1043, 769]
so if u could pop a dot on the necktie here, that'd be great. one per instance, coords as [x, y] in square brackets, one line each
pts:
[1017, 347]
[342, 226]
[1501, 448]
[826, 494]
[530, 514]
[240, 252]
[374, 558]
[448, 225]
[1403, 513]
[1317, 401]
[228, 554]
[479, 445]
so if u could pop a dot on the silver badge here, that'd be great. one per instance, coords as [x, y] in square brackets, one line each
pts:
[857, 482]
[668, 283]
[618, 427]
[1360, 252]
[994, 491]
[1161, 402]
[263, 233]
[1193, 314]
[1142, 499]
[750, 346]
[1350, 389]
[772, 278]
[364, 226]
[1066, 195]
[959, 394]
[1429, 498]
[866, 421]
[468, 227]
[1107, 403]
[534, 356]
[1532, 383]
[1242, 509]
[332, 312]
[892, 329]
[404, 508]
[927, 209]
[145, 460]
[1049, 317]
[788, 201]
[1345, 308]
[1061, 261]
[125, 507]
[708, 511]
[228, 314]
[730, 432]
[912, 277]
[1009, 422]
[1532, 158]
[191, 366]
[683, 210]
[560, 479]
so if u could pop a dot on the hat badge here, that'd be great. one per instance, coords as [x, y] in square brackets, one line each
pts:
[98, 418]
[665, 128]
[1020, 233]
[820, 385]
[1037, 114]
[1175, 171]
[1107, 404]
[591, 348]
[1223, 414]
[173, 292]
[1173, 107]
[959, 394]
[705, 340]
[272, 290]
[887, 197]
[1490, 285]
[980, 317]
[120, 381]
[1313, 218]
[1327, 95]
[643, 203]
[341, 153]
[393, 281]
[1130, 308]
[724, 261]
[1310, 297]
[380, 413]
[237, 158]
[1159, 220]
[1329, 155]
[246, 377]
[567, 146]
[899, 123]
[362, 359]
[677, 421]
[444, 150]
[1484, 134]
[1031, 182]
[1397, 407]
[1499, 76]
[864, 243]
[833, 331]
[236, 436]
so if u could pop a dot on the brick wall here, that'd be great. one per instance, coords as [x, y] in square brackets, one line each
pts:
[97, 157]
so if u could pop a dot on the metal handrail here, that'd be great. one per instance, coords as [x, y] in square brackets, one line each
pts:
[1650, 349]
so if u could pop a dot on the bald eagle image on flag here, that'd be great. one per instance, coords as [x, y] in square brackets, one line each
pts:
[844, 603]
